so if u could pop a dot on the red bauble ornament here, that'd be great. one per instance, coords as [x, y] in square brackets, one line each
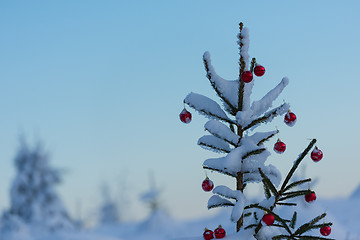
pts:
[310, 197]
[316, 155]
[268, 219]
[259, 70]
[290, 119]
[207, 185]
[247, 76]
[220, 232]
[208, 234]
[325, 231]
[185, 116]
[279, 147]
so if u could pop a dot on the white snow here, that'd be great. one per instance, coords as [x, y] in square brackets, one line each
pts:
[210, 142]
[206, 105]
[236, 195]
[261, 106]
[229, 89]
[222, 131]
[216, 200]
[230, 164]
[342, 212]
[244, 39]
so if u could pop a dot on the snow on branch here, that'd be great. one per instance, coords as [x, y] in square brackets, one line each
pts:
[259, 107]
[229, 165]
[232, 163]
[206, 106]
[227, 90]
[217, 201]
[226, 192]
[211, 142]
[238, 209]
[260, 137]
[268, 116]
[244, 43]
[270, 171]
[254, 162]
[222, 131]
[237, 195]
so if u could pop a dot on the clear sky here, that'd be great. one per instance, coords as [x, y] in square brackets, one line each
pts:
[101, 84]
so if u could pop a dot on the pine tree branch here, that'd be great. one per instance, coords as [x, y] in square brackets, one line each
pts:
[288, 177]
[219, 170]
[266, 181]
[247, 214]
[213, 147]
[293, 220]
[218, 92]
[294, 184]
[296, 164]
[314, 238]
[254, 152]
[293, 194]
[286, 204]
[266, 117]
[297, 193]
[307, 226]
[318, 226]
[220, 137]
[217, 201]
[241, 70]
[232, 128]
[221, 205]
[253, 62]
[277, 217]
[266, 139]
[281, 237]
[213, 115]
[250, 226]
[207, 107]
[267, 191]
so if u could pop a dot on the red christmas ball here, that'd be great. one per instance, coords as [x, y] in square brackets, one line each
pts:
[316, 155]
[290, 119]
[247, 76]
[310, 197]
[268, 219]
[279, 147]
[259, 70]
[207, 185]
[325, 231]
[185, 116]
[208, 234]
[220, 232]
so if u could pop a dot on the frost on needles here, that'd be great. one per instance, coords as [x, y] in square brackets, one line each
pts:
[232, 133]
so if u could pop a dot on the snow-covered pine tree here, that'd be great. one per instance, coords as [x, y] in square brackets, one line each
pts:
[246, 154]
[33, 199]
[109, 212]
[158, 219]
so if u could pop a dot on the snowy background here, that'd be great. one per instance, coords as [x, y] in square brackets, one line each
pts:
[101, 84]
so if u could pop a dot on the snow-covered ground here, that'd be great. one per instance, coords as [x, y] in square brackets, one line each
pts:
[160, 226]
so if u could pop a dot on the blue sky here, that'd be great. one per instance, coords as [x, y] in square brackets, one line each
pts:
[101, 83]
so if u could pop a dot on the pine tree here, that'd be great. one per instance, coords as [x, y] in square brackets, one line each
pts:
[33, 199]
[158, 219]
[245, 152]
[109, 213]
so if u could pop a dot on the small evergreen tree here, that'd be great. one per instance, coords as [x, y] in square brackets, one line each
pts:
[245, 152]
[33, 199]
[158, 219]
[109, 213]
